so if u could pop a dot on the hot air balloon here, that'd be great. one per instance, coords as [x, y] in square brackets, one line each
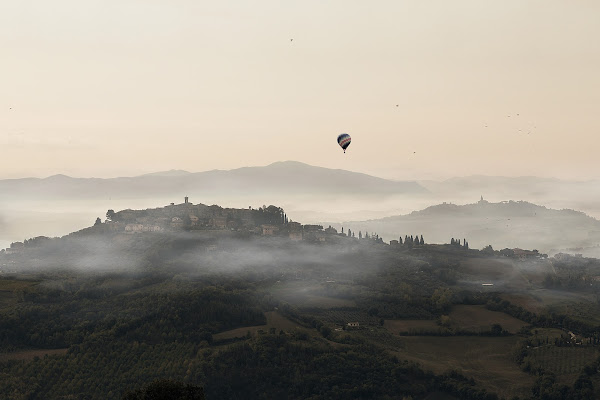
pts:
[344, 141]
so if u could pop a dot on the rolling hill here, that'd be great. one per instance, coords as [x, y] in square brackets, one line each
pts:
[505, 224]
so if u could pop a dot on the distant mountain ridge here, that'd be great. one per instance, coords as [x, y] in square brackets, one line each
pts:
[289, 177]
[171, 172]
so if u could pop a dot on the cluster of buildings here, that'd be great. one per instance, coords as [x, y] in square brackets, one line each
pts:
[265, 221]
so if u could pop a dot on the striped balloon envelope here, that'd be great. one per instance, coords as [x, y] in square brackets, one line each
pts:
[344, 141]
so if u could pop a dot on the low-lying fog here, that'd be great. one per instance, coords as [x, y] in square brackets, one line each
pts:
[192, 252]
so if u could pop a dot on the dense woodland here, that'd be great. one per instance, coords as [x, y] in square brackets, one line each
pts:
[114, 316]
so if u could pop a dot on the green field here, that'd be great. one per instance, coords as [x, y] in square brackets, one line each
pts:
[467, 318]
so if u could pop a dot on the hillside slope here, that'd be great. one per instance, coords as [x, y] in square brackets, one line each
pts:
[505, 224]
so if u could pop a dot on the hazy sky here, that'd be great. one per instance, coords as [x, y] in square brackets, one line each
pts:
[115, 88]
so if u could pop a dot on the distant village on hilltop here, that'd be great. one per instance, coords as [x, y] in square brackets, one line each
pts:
[264, 221]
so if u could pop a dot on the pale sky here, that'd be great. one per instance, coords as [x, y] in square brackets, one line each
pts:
[425, 88]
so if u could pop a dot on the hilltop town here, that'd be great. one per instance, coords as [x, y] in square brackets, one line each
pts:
[267, 221]
[270, 221]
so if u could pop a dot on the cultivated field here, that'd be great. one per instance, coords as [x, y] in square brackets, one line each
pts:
[487, 359]
[479, 319]
[470, 318]
[397, 326]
